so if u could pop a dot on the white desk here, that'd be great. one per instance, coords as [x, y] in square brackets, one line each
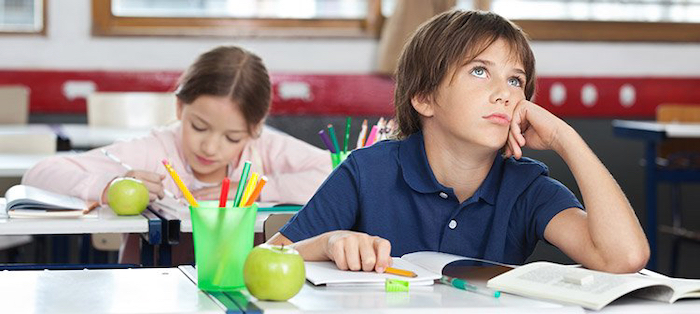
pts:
[101, 220]
[80, 135]
[143, 290]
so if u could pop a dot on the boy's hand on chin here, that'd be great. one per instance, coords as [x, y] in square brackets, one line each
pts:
[534, 127]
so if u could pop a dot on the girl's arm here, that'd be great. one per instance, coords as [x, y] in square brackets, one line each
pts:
[607, 236]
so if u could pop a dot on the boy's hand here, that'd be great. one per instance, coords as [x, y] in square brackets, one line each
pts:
[358, 251]
[534, 127]
[213, 192]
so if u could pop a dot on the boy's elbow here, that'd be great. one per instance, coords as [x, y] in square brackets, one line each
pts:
[633, 260]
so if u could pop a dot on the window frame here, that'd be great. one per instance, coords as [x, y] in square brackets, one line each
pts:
[104, 23]
[41, 32]
[616, 31]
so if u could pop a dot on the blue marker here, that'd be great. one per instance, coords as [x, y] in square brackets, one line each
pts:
[464, 285]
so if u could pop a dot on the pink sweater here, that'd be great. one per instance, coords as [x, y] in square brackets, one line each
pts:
[295, 169]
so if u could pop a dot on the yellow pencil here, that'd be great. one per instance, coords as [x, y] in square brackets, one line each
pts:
[188, 196]
[400, 272]
[256, 192]
[252, 182]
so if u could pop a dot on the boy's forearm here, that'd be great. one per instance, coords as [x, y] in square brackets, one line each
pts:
[612, 223]
[311, 249]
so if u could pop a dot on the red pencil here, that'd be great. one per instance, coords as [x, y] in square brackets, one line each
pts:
[224, 192]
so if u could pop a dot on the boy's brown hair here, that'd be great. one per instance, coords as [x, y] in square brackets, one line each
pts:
[229, 71]
[444, 43]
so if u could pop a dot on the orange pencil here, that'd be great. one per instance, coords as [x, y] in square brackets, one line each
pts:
[252, 182]
[256, 192]
[400, 272]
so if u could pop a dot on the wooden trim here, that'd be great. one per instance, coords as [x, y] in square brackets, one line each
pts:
[41, 32]
[610, 31]
[104, 23]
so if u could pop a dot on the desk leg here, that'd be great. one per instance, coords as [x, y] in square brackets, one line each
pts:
[146, 253]
[651, 193]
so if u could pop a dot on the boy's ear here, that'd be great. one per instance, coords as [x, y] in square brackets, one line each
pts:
[423, 104]
[180, 106]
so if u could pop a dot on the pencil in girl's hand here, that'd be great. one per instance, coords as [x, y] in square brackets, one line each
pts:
[331, 133]
[252, 182]
[326, 141]
[372, 136]
[224, 192]
[241, 183]
[362, 135]
[256, 192]
[347, 135]
[180, 184]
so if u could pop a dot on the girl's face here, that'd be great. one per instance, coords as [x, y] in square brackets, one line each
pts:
[475, 104]
[214, 133]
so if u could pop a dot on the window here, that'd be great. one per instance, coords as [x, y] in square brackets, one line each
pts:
[22, 17]
[603, 20]
[339, 18]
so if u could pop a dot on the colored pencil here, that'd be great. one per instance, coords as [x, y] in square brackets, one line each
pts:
[331, 134]
[326, 141]
[224, 192]
[363, 134]
[186, 192]
[241, 183]
[346, 139]
[256, 192]
[252, 182]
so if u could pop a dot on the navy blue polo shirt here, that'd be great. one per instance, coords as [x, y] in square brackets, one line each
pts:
[388, 190]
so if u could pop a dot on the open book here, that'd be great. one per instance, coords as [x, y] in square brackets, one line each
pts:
[23, 201]
[588, 288]
[428, 267]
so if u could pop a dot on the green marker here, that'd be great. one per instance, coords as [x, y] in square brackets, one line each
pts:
[331, 133]
[464, 285]
[241, 184]
[347, 134]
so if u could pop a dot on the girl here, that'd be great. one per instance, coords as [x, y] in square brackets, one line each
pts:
[222, 101]
[463, 86]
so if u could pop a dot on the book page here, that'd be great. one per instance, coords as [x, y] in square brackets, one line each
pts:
[436, 261]
[681, 288]
[327, 273]
[28, 197]
[549, 281]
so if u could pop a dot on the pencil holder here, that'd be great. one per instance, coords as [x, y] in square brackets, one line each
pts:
[337, 158]
[223, 237]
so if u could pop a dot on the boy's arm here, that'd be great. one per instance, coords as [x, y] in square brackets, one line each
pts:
[607, 236]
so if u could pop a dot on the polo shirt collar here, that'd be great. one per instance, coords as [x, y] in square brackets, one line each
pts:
[418, 175]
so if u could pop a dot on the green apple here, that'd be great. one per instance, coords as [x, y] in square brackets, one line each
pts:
[127, 196]
[273, 272]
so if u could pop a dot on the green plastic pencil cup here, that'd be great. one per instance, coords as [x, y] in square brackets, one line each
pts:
[339, 157]
[223, 237]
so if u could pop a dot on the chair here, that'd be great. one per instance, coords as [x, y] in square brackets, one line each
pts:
[273, 223]
[131, 109]
[14, 104]
[682, 155]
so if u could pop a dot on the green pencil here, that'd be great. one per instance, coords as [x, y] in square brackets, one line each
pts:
[331, 133]
[241, 183]
[347, 135]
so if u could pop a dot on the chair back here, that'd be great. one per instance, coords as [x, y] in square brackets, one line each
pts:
[131, 109]
[675, 148]
[14, 104]
[273, 223]
[40, 143]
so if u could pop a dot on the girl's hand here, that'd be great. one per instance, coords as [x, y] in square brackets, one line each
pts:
[213, 192]
[534, 127]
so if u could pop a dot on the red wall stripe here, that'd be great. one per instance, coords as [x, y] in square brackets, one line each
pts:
[362, 94]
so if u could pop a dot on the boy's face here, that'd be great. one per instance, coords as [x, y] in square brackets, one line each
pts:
[213, 135]
[475, 104]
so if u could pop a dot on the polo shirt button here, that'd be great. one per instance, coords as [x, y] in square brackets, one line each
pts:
[443, 195]
[453, 224]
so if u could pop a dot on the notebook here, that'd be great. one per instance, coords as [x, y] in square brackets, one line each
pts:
[428, 267]
[23, 201]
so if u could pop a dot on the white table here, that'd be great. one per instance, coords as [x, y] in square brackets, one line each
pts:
[437, 298]
[81, 136]
[100, 220]
[142, 290]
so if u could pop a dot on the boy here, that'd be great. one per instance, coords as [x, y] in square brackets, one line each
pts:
[463, 86]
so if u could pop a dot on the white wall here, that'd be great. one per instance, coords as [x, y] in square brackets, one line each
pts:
[69, 46]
